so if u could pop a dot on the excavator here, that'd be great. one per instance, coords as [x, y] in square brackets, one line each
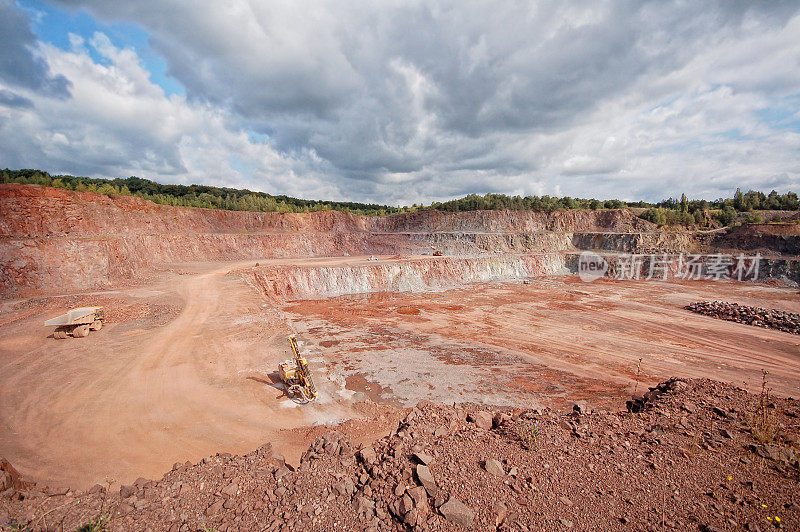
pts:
[296, 375]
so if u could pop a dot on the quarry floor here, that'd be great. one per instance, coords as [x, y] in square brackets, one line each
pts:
[187, 366]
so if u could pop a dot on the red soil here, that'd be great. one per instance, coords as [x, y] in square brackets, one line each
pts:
[186, 366]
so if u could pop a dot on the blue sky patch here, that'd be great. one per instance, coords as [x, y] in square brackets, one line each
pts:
[784, 114]
[53, 26]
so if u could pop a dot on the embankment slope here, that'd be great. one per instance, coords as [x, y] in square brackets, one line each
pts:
[54, 240]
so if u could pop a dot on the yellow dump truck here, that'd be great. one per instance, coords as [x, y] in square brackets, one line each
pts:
[77, 322]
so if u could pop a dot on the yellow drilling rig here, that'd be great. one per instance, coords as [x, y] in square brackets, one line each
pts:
[296, 375]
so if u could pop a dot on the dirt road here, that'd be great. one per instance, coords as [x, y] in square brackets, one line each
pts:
[158, 386]
[132, 399]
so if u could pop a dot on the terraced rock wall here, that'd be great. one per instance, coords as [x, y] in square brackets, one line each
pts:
[55, 241]
[415, 275]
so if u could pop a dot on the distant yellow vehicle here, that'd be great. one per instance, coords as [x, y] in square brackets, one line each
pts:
[77, 322]
[296, 375]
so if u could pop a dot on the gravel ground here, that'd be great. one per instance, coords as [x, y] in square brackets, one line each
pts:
[702, 455]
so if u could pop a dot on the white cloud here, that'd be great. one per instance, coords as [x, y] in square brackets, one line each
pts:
[118, 123]
[404, 102]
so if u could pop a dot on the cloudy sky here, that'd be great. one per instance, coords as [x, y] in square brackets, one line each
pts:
[407, 101]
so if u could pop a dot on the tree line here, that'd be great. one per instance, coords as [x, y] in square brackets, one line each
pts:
[672, 211]
[722, 212]
[203, 196]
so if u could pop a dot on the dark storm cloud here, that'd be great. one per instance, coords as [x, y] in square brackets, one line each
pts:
[422, 100]
[335, 78]
[19, 65]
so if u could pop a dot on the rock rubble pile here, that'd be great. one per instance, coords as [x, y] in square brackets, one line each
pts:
[688, 461]
[760, 317]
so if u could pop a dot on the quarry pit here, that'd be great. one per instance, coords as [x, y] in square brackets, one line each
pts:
[201, 303]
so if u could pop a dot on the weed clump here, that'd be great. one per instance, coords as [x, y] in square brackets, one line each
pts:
[528, 432]
[763, 422]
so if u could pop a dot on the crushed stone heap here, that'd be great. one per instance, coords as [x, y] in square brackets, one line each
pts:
[760, 317]
[700, 455]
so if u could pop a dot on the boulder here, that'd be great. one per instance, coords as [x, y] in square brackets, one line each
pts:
[500, 418]
[679, 386]
[500, 512]
[214, 507]
[482, 419]
[265, 451]
[365, 506]
[426, 479]
[281, 472]
[278, 460]
[457, 512]
[419, 495]
[423, 458]
[406, 504]
[411, 517]
[635, 404]
[344, 487]
[366, 455]
[13, 477]
[494, 467]
[230, 490]
[124, 509]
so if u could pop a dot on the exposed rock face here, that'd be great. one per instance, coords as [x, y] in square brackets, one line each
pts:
[672, 265]
[639, 242]
[620, 221]
[434, 273]
[779, 238]
[57, 239]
